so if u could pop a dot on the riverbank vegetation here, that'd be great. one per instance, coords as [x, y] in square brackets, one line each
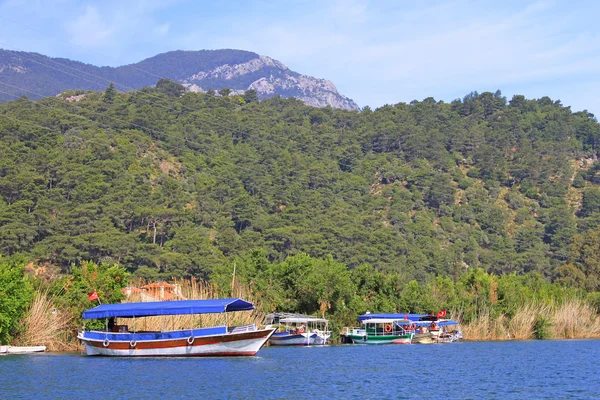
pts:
[488, 306]
[485, 206]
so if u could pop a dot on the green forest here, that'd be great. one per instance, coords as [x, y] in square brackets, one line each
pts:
[321, 210]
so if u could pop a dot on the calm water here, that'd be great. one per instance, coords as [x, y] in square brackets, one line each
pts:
[491, 370]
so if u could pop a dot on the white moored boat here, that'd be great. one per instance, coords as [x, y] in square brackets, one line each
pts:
[298, 330]
[21, 349]
[222, 340]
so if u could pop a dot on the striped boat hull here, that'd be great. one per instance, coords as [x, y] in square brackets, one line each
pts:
[378, 339]
[297, 339]
[229, 344]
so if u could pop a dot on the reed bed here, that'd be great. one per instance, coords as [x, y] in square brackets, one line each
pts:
[572, 318]
[522, 325]
[192, 289]
[46, 325]
[575, 319]
[486, 328]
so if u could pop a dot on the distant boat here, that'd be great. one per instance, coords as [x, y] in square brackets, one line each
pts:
[221, 340]
[436, 332]
[21, 349]
[379, 331]
[426, 328]
[298, 330]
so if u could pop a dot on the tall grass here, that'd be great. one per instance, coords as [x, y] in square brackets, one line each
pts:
[573, 318]
[46, 325]
[193, 289]
[485, 328]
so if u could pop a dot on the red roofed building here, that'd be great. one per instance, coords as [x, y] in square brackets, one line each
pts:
[156, 291]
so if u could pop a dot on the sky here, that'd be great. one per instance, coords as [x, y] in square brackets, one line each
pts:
[376, 52]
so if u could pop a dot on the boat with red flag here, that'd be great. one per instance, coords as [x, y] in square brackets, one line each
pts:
[220, 340]
[402, 329]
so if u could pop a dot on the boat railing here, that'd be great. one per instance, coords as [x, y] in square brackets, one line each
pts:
[357, 331]
[242, 328]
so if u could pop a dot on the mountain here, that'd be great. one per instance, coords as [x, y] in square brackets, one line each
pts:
[36, 75]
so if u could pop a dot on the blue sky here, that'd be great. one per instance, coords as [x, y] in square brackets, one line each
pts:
[376, 52]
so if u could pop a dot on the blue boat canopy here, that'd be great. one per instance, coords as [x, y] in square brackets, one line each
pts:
[179, 307]
[412, 317]
[439, 322]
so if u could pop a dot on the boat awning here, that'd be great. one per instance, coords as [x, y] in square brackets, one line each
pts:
[385, 321]
[178, 307]
[411, 317]
[447, 322]
[440, 322]
[295, 320]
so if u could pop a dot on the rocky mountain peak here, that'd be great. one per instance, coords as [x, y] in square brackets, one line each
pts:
[274, 78]
[198, 71]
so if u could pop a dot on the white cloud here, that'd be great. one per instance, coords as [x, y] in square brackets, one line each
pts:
[162, 30]
[91, 29]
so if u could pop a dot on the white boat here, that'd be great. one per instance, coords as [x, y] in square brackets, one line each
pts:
[21, 349]
[298, 330]
[221, 340]
[429, 332]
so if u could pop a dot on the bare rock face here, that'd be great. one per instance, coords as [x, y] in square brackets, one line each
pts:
[75, 98]
[190, 87]
[263, 86]
[19, 69]
[273, 78]
[228, 72]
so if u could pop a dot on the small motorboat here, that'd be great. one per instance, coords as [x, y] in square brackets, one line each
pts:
[21, 349]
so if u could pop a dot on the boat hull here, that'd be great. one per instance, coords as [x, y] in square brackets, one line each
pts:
[404, 340]
[424, 338]
[436, 337]
[292, 339]
[377, 339]
[298, 339]
[228, 344]
[322, 339]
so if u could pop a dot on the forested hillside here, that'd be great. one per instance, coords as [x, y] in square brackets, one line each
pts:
[169, 185]
[48, 76]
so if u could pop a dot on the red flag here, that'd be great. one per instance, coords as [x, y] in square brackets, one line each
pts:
[93, 296]
[441, 314]
[406, 316]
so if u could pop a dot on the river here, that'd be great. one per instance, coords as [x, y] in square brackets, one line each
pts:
[556, 369]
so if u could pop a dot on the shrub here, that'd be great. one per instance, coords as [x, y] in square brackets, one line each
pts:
[16, 293]
[541, 327]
